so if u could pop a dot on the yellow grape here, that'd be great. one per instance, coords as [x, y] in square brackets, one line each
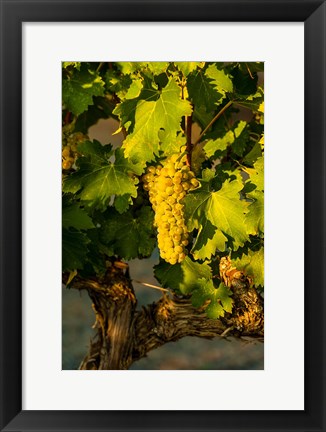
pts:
[69, 151]
[167, 185]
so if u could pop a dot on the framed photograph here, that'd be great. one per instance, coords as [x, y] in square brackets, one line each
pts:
[134, 141]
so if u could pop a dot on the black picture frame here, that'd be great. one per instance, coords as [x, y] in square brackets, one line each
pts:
[13, 14]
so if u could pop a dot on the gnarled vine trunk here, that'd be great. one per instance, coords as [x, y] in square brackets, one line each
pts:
[125, 334]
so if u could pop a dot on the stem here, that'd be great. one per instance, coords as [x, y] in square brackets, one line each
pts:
[218, 115]
[67, 118]
[187, 128]
[99, 66]
[188, 135]
[249, 71]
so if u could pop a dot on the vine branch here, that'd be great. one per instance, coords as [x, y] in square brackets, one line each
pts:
[218, 115]
[188, 135]
[125, 335]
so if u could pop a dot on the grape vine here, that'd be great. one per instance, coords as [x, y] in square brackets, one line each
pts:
[185, 183]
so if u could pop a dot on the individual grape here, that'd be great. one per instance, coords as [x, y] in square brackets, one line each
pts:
[151, 169]
[66, 152]
[178, 188]
[67, 164]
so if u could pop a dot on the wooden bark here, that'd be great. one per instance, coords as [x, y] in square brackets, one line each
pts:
[125, 335]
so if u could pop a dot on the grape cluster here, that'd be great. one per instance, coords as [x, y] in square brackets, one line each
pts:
[69, 150]
[167, 185]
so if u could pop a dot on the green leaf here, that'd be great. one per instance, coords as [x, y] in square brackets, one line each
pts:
[128, 235]
[122, 203]
[255, 66]
[173, 146]
[154, 67]
[219, 144]
[241, 134]
[187, 67]
[78, 90]
[201, 116]
[134, 89]
[201, 92]
[257, 173]
[76, 65]
[128, 68]
[252, 264]
[253, 155]
[181, 277]
[126, 113]
[74, 250]
[102, 109]
[208, 240]
[244, 83]
[237, 137]
[220, 300]
[157, 67]
[97, 178]
[116, 82]
[220, 80]
[76, 217]
[165, 114]
[254, 219]
[223, 209]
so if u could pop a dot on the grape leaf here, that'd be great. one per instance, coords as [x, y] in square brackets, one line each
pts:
[79, 88]
[157, 67]
[187, 67]
[254, 219]
[117, 83]
[241, 134]
[244, 83]
[72, 64]
[201, 92]
[126, 110]
[201, 116]
[255, 66]
[76, 217]
[252, 264]
[74, 249]
[261, 107]
[134, 89]
[257, 173]
[220, 300]
[208, 240]
[237, 137]
[262, 142]
[223, 209]
[173, 146]
[253, 155]
[129, 236]
[163, 114]
[97, 179]
[181, 277]
[221, 82]
[219, 144]
[154, 67]
[122, 203]
[102, 109]
[129, 68]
